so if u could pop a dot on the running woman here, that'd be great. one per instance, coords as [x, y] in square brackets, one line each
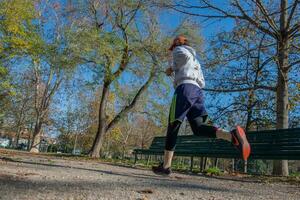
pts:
[188, 101]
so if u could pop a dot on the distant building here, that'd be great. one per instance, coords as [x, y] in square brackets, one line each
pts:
[8, 139]
[45, 142]
[23, 138]
[4, 142]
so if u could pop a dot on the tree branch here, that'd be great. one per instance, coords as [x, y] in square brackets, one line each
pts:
[271, 22]
[123, 64]
[294, 29]
[225, 14]
[94, 12]
[273, 89]
[55, 87]
[292, 64]
[46, 89]
[292, 13]
[134, 14]
[249, 19]
[127, 108]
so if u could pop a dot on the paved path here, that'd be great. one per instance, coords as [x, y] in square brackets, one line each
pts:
[26, 176]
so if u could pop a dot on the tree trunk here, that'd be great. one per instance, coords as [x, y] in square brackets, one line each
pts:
[250, 110]
[20, 122]
[29, 144]
[36, 138]
[281, 167]
[16, 143]
[103, 127]
[95, 151]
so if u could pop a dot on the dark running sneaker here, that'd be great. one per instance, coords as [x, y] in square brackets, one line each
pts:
[160, 170]
[239, 140]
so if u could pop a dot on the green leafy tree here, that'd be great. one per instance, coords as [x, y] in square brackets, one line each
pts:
[117, 38]
[16, 38]
[25, 35]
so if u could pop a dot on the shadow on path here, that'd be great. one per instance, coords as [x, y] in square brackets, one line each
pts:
[154, 181]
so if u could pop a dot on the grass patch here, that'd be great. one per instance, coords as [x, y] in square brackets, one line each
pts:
[292, 179]
[295, 174]
[50, 161]
[213, 171]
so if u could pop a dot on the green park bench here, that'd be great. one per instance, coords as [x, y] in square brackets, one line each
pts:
[283, 144]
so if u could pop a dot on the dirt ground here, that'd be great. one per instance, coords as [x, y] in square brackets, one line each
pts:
[27, 176]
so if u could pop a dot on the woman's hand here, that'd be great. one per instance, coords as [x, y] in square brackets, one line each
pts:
[169, 71]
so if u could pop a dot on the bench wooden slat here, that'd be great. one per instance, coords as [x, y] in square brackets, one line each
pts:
[269, 144]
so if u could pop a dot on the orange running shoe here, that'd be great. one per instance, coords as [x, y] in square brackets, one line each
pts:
[239, 140]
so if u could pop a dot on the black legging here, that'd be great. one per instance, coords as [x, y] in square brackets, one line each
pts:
[199, 128]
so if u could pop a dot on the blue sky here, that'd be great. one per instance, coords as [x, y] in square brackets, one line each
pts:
[208, 29]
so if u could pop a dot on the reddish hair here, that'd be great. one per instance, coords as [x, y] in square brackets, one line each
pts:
[178, 41]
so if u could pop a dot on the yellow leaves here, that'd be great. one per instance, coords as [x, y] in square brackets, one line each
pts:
[3, 72]
[1, 48]
[5, 85]
[17, 10]
[17, 28]
[14, 28]
[111, 97]
[115, 134]
[294, 100]
[18, 42]
[30, 44]
[111, 105]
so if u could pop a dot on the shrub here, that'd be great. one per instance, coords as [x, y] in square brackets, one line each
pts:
[213, 171]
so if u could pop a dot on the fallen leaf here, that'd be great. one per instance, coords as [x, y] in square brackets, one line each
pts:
[145, 191]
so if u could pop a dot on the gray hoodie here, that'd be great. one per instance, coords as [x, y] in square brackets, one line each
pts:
[186, 66]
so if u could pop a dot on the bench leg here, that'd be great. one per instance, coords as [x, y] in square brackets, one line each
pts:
[205, 163]
[201, 164]
[245, 166]
[135, 158]
[192, 164]
[148, 159]
[216, 162]
[233, 168]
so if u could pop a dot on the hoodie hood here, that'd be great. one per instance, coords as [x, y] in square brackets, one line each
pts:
[190, 49]
[186, 66]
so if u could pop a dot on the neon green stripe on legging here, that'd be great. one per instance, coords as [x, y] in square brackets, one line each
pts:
[173, 109]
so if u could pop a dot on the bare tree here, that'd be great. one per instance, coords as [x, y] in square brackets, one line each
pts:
[239, 65]
[43, 95]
